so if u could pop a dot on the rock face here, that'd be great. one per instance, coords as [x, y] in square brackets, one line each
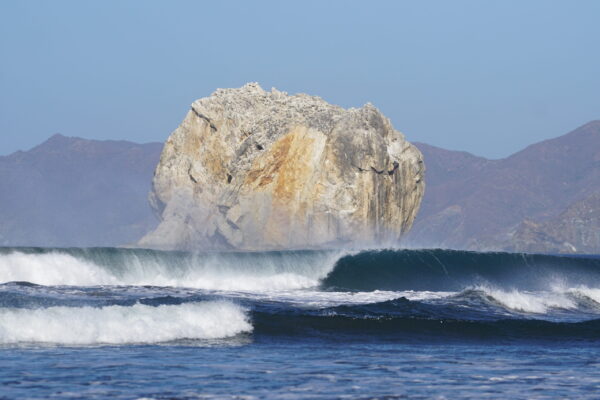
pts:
[255, 170]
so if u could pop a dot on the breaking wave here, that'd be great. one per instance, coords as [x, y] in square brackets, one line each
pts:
[530, 302]
[118, 296]
[395, 270]
[120, 325]
[218, 271]
[453, 270]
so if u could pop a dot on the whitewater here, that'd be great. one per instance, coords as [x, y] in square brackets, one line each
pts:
[268, 312]
[214, 293]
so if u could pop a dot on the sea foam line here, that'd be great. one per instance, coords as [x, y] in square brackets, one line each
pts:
[122, 325]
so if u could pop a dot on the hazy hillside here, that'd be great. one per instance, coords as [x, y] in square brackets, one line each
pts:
[76, 192]
[450, 177]
[476, 203]
[577, 229]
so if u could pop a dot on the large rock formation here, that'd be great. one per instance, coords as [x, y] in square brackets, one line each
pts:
[256, 170]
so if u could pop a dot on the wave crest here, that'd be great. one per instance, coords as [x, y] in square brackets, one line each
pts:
[219, 271]
[530, 302]
[52, 269]
[122, 325]
[369, 270]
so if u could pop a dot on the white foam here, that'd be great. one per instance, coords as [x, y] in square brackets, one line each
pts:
[320, 299]
[530, 302]
[258, 273]
[119, 325]
[52, 269]
[591, 293]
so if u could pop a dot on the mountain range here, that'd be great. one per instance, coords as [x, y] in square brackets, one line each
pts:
[511, 204]
[70, 192]
[546, 198]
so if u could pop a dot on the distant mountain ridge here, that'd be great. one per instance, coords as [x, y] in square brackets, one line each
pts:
[475, 203]
[76, 192]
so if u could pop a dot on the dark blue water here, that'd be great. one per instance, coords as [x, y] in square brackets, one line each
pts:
[306, 368]
[108, 323]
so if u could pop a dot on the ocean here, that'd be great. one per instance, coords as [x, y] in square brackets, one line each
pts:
[107, 323]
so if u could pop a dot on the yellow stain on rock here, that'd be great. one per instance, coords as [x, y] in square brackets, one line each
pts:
[288, 164]
[287, 171]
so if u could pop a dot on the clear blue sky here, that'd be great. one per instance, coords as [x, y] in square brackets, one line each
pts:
[489, 77]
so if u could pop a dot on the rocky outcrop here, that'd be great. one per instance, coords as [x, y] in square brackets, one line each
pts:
[256, 170]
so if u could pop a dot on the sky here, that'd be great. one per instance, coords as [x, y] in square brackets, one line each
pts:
[488, 77]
